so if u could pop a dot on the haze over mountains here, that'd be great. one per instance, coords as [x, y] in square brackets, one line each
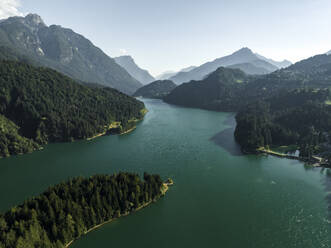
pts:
[169, 74]
[240, 60]
[280, 64]
[228, 89]
[128, 63]
[30, 39]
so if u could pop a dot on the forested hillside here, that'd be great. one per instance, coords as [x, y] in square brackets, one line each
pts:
[157, 89]
[220, 91]
[67, 211]
[47, 106]
[298, 118]
[11, 142]
[223, 93]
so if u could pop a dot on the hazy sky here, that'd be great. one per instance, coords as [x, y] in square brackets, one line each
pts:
[171, 34]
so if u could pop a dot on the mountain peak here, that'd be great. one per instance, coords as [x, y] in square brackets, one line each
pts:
[126, 58]
[34, 19]
[128, 63]
[244, 50]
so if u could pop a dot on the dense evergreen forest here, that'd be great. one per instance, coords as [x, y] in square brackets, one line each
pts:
[11, 142]
[68, 210]
[299, 118]
[47, 106]
[219, 91]
[156, 90]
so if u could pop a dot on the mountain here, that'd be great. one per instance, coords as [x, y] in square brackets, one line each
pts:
[328, 53]
[157, 89]
[165, 75]
[42, 106]
[243, 56]
[187, 69]
[216, 92]
[29, 39]
[169, 74]
[279, 64]
[133, 69]
[250, 68]
[223, 91]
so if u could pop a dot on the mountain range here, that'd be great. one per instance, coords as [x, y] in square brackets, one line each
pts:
[29, 39]
[280, 64]
[243, 59]
[128, 63]
[227, 89]
[169, 74]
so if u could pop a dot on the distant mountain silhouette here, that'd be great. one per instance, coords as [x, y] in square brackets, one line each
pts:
[250, 68]
[165, 75]
[169, 74]
[231, 89]
[128, 63]
[279, 64]
[243, 56]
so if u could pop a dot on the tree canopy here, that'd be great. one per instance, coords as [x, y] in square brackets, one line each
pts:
[68, 210]
[47, 106]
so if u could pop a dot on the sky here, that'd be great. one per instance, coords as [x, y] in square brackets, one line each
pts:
[164, 35]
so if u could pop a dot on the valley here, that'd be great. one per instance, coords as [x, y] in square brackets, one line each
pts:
[227, 148]
[212, 183]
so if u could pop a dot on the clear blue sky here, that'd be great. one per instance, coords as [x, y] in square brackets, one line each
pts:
[172, 34]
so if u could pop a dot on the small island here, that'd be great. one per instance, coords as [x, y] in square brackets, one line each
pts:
[65, 212]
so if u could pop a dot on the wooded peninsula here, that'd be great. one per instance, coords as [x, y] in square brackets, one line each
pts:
[70, 209]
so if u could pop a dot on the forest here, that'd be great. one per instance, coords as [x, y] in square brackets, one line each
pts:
[230, 90]
[157, 89]
[68, 210]
[47, 106]
[298, 117]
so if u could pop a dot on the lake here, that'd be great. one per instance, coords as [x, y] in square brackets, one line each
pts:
[221, 198]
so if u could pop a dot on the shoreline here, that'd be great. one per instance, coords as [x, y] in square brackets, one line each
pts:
[128, 131]
[316, 162]
[164, 189]
[116, 124]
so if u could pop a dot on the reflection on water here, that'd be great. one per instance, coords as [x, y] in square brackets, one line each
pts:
[327, 184]
[226, 140]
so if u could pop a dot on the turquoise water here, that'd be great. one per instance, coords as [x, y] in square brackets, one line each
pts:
[220, 198]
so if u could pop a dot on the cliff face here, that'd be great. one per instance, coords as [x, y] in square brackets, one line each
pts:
[128, 63]
[63, 50]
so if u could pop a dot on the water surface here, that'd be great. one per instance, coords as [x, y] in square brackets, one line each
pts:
[221, 198]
